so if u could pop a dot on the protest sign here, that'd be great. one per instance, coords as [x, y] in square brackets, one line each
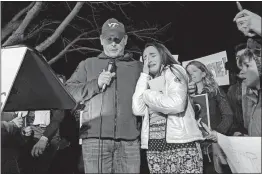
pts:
[243, 153]
[216, 64]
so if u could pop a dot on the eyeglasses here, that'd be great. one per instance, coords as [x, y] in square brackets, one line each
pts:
[110, 40]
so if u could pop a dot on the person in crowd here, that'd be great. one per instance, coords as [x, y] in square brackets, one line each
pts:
[41, 135]
[250, 65]
[109, 131]
[221, 115]
[169, 129]
[11, 123]
[10, 127]
[41, 141]
[235, 97]
[248, 23]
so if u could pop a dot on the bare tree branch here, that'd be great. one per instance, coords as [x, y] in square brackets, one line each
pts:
[13, 24]
[120, 3]
[93, 13]
[18, 34]
[79, 17]
[39, 29]
[49, 41]
[107, 5]
[88, 29]
[66, 49]
[18, 15]
[9, 28]
[53, 60]
[146, 30]
[164, 28]
[85, 48]
[120, 7]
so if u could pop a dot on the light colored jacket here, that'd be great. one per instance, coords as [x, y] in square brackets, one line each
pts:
[173, 101]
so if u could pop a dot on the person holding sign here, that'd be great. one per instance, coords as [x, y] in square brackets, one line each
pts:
[169, 129]
[221, 115]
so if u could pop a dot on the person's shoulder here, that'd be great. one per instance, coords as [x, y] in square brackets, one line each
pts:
[233, 87]
[221, 89]
[176, 72]
[134, 62]
[139, 63]
[177, 68]
[88, 60]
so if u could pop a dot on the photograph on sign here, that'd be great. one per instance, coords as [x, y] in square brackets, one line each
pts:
[203, 115]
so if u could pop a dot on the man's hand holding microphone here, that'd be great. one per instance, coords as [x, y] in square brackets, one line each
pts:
[105, 77]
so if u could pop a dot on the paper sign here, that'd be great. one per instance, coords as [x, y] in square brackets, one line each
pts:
[216, 64]
[243, 153]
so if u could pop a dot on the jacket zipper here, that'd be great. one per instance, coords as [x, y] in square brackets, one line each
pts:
[115, 101]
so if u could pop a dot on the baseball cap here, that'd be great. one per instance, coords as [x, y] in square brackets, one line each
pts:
[113, 28]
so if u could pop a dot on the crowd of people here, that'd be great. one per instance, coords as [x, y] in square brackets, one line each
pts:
[123, 112]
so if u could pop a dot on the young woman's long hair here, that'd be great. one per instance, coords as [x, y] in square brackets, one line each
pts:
[166, 56]
[209, 81]
[167, 59]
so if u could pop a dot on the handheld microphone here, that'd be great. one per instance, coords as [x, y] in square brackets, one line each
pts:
[109, 68]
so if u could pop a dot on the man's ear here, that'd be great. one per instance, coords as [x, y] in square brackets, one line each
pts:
[101, 40]
[125, 39]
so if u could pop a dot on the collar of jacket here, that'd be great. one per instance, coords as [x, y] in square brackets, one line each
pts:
[254, 95]
[126, 57]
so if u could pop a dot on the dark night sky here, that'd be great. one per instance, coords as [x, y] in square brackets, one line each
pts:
[198, 28]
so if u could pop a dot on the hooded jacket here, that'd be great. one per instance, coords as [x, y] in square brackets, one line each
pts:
[110, 110]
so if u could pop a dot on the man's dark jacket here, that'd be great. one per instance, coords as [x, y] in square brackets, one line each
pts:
[112, 108]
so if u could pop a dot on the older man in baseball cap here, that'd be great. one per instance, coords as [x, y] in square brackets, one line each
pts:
[113, 38]
[105, 84]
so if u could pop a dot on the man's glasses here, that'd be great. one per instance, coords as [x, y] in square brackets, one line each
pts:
[110, 40]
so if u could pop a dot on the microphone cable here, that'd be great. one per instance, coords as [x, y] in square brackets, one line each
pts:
[99, 167]
[100, 134]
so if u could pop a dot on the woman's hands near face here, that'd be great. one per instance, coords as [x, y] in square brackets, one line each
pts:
[145, 67]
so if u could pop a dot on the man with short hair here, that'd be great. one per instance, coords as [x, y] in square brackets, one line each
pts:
[235, 96]
[109, 131]
[241, 98]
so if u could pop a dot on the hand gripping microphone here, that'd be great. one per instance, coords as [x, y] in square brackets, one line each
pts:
[109, 68]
